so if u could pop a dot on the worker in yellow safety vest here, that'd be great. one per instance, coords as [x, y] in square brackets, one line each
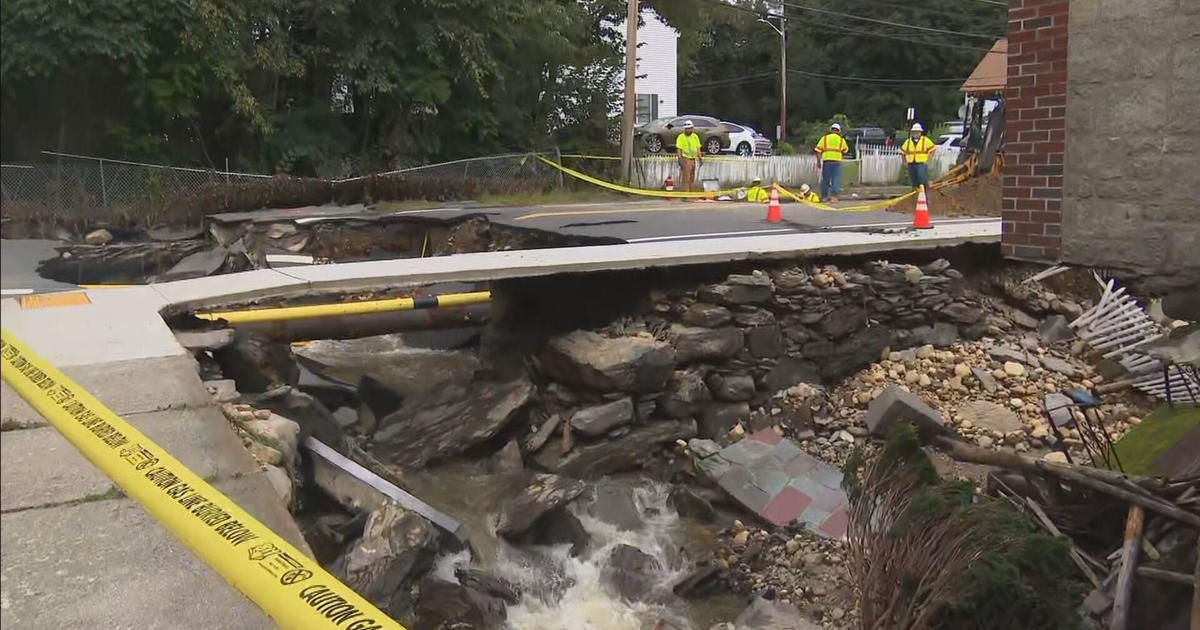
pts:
[916, 151]
[756, 193]
[830, 150]
[687, 149]
[807, 195]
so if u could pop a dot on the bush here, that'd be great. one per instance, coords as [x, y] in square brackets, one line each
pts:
[785, 149]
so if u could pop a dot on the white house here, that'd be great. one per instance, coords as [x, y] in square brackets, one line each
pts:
[657, 68]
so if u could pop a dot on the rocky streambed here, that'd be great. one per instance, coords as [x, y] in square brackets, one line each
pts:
[580, 462]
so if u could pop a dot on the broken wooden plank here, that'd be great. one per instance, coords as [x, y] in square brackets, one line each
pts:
[1166, 576]
[1053, 529]
[1129, 557]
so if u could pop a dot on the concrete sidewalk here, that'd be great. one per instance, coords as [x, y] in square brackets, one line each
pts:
[76, 553]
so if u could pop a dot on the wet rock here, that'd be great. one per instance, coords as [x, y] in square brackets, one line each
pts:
[98, 237]
[626, 364]
[600, 419]
[376, 401]
[986, 380]
[397, 547]
[195, 340]
[1055, 364]
[276, 432]
[256, 363]
[508, 459]
[732, 387]
[390, 362]
[631, 572]
[765, 341]
[703, 448]
[852, 353]
[488, 584]
[843, 320]
[939, 335]
[558, 527]
[718, 418]
[543, 494]
[689, 503]
[706, 315]
[614, 504]
[896, 405]
[444, 605]
[754, 317]
[685, 395]
[765, 614]
[991, 416]
[739, 289]
[1055, 329]
[449, 421]
[789, 371]
[536, 441]
[313, 417]
[628, 452]
[701, 582]
[706, 344]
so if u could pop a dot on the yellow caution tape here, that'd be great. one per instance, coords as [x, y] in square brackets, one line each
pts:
[289, 586]
[666, 157]
[675, 194]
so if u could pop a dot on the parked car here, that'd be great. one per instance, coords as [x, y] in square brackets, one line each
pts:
[745, 141]
[659, 135]
[950, 143]
[867, 134]
[954, 127]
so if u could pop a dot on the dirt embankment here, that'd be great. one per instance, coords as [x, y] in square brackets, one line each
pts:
[978, 196]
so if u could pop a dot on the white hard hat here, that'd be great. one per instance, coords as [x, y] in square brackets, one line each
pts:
[837, 126]
[804, 188]
[917, 127]
[687, 124]
[757, 180]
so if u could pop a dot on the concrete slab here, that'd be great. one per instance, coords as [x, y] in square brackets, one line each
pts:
[123, 386]
[39, 467]
[108, 564]
[117, 325]
[237, 287]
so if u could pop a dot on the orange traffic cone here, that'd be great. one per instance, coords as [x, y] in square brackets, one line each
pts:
[670, 187]
[921, 217]
[774, 212]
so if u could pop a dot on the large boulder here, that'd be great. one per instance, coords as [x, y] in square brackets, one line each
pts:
[854, 352]
[706, 344]
[897, 405]
[314, 418]
[613, 503]
[991, 416]
[543, 494]
[256, 363]
[731, 387]
[597, 420]
[685, 395]
[706, 315]
[449, 422]
[558, 527]
[739, 289]
[445, 605]
[627, 364]
[765, 342]
[277, 432]
[718, 418]
[388, 360]
[628, 452]
[789, 371]
[488, 584]
[631, 572]
[843, 320]
[397, 547]
[689, 503]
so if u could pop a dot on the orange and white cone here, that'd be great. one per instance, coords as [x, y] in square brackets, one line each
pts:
[774, 211]
[921, 217]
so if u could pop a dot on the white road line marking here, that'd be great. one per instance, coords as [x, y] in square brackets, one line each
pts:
[675, 237]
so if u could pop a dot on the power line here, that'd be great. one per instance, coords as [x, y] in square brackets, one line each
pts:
[852, 16]
[876, 80]
[731, 81]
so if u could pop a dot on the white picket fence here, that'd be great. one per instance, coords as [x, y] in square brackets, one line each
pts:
[789, 170]
[883, 165]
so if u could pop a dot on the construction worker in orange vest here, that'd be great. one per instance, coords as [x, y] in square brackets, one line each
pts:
[830, 150]
[916, 151]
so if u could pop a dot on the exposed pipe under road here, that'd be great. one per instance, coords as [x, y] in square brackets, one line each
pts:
[284, 313]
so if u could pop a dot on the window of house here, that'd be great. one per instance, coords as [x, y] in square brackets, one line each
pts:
[647, 108]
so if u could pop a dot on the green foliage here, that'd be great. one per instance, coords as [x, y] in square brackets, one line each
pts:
[1158, 431]
[785, 148]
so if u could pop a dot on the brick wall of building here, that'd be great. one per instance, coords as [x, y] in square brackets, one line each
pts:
[1035, 140]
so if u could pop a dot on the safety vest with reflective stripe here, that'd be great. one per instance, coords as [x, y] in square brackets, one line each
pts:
[831, 147]
[688, 145]
[917, 152]
[757, 194]
[811, 197]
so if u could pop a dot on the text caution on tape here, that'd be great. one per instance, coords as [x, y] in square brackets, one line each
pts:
[290, 587]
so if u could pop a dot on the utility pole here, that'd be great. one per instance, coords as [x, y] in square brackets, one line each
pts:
[627, 117]
[782, 73]
[781, 131]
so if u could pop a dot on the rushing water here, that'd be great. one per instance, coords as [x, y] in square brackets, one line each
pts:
[560, 591]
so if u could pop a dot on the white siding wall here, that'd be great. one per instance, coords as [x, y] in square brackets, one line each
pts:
[657, 66]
